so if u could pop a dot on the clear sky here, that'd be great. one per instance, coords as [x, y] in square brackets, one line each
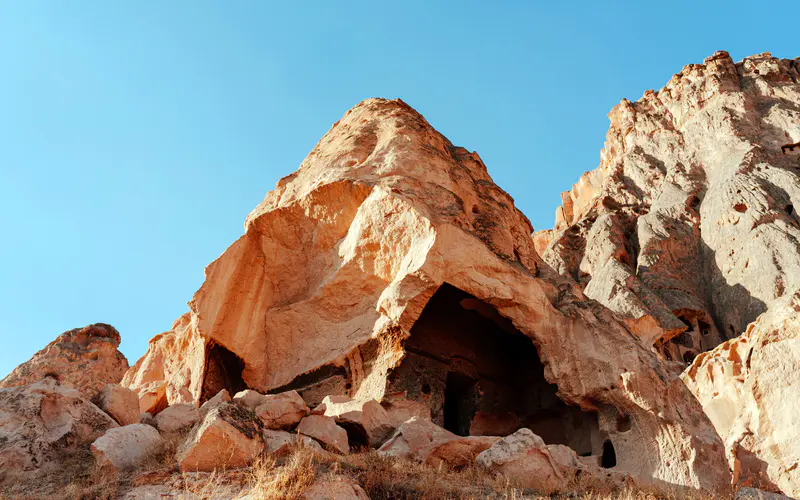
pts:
[136, 136]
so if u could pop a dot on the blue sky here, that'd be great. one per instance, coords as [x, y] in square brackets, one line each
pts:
[136, 136]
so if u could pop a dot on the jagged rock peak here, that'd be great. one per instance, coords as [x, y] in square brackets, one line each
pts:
[83, 358]
[687, 228]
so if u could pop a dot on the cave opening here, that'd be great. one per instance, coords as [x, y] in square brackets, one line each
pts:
[479, 375]
[609, 457]
[223, 370]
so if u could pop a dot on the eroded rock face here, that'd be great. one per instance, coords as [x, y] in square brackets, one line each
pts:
[126, 447]
[84, 358]
[750, 387]
[388, 214]
[688, 227]
[40, 423]
[120, 403]
[228, 437]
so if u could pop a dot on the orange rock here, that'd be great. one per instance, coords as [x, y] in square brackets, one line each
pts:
[84, 358]
[325, 430]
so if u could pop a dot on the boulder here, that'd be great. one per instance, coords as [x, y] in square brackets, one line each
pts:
[524, 458]
[121, 403]
[84, 358]
[248, 398]
[282, 411]
[126, 447]
[147, 419]
[177, 418]
[360, 417]
[756, 494]
[220, 398]
[278, 442]
[335, 487]
[39, 422]
[402, 410]
[415, 439]
[229, 436]
[324, 429]
[460, 452]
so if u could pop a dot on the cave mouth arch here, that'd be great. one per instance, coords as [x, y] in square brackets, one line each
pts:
[223, 370]
[479, 375]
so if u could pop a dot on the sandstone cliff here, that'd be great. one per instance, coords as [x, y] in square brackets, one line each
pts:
[688, 228]
[390, 266]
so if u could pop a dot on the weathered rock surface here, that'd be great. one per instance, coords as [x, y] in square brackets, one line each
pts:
[403, 232]
[688, 227]
[177, 418]
[459, 452]
[415, 439]
[324, 429]
[750, 389]
[524, 458]
[222, 397]
[228, 437]
[121, 403]
[126, 447]
[84, 358]
[278, 442]
[335, 487]
[42, 421]
[281, 411]
[368, 417]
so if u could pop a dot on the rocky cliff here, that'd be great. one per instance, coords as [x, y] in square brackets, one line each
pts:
[390, 266]
[688, 228]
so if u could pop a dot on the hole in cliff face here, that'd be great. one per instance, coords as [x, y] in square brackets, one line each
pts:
[740, 207]
[624, 423]
[479, 375]
[609, 458]
[223, 371]
[789, 209]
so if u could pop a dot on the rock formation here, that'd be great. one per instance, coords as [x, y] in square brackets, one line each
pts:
[84, 358]
[391, 267]
[749, 389]
[688, 228]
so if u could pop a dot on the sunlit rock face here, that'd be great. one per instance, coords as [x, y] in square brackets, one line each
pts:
[83, 358]
[749, 387]
[688, 227]
[353, 270]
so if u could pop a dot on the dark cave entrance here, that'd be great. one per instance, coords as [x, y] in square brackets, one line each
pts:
[223, 371]
[609, 457]
[479, 375]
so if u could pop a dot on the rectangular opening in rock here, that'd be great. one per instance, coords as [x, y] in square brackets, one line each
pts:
[479, 375]
[223, 370]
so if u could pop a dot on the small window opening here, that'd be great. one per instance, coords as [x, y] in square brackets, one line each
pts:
[609, 458]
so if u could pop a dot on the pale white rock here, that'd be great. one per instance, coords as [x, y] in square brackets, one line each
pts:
[324, 429]
[415, 439]
[177, 418]
[460, 452]
[228, 437]
[126, 447]
[220, 398]
[750, 388]
[121, 403]
[39, 422]
[248, 398]
[278, 442]
[335, 488]
[282, 411]
[524, 458]
[368, 417]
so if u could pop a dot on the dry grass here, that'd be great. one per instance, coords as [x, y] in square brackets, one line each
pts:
[289, 476]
